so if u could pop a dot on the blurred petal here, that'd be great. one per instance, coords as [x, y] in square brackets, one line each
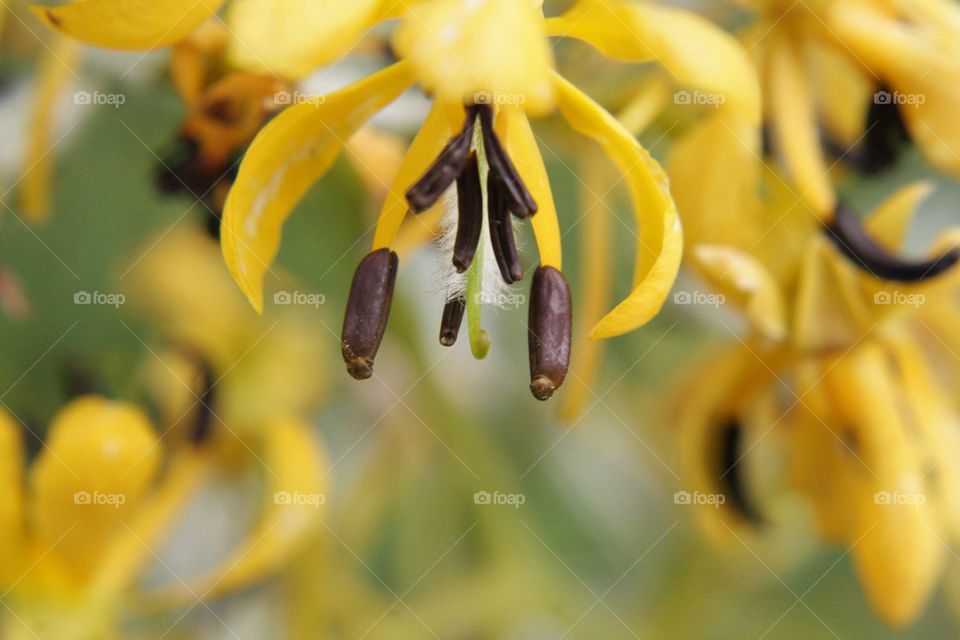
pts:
[660, 241]
[99, 461]
[748, 284]
[465, 51]
[695, 52]
[843, 91]
[889, 221]
[794, 121]
[12, 529]
[292, 38]
[128, 24]
[287, 157]
[514, 129]
[376, 156]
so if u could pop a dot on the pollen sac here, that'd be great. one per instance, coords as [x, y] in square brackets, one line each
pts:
[470, 215]
[867, 254]
[549, 331]
[445, 169]
[452, 319]
[501, 233]
[515, 193]
[368, 309]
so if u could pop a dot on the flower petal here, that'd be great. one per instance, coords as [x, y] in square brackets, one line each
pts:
[283, 162]
[99, 461]
[12, 530]
[660, 241]
[128, 24]
[888, 223]
[513, 128]
[695, 52]
[495, 52]
[749, 285]
[292, 38]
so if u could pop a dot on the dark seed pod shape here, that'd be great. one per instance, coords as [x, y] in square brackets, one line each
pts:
[444, 170]
[865, 253]
[470, 215]
[501, 233]
[368, 309]
[452, 319]
[549, 331]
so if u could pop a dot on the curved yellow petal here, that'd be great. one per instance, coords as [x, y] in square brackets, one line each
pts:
[128, 24]
[794, 123]
[748, 284]
[283, 162]
[295, 495]
[843, 91]
[99, 461]
[376, 156]
[889, 221]
[695, 52]
[55, 75]
[493, 52]
[660, 241]
[426, 146]
[513, 127]
[292, 38]
[12, 529]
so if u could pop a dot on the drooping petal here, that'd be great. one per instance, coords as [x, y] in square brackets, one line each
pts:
[660, 240]
[888, 223]
[794, 122]
[99, 461]
[748, 284]
[294, 503]
[513, 128]
[292, 38]
[285, 159]
[490, 52]
[898, 550]
[695, 52]
[426, 146]
[128, 24]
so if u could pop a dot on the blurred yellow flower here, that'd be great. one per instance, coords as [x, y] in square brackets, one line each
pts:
[841, 368]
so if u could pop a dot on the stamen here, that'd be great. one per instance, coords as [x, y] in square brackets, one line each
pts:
[470, 218]
[731, 477]
[444, 170]
[452, 319]
[549, 331]
[368, 309]
[518, 198]
[866, 253]
[501, 233]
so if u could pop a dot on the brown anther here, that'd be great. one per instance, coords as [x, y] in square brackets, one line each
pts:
[501, 233]
[368, 309]
[452, 319]
[549, 331]
[470, 218]
[444, 170]
[515, 192]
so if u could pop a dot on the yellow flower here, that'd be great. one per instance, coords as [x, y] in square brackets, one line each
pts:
[90, 514]
[488, 66]
[841, 369]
